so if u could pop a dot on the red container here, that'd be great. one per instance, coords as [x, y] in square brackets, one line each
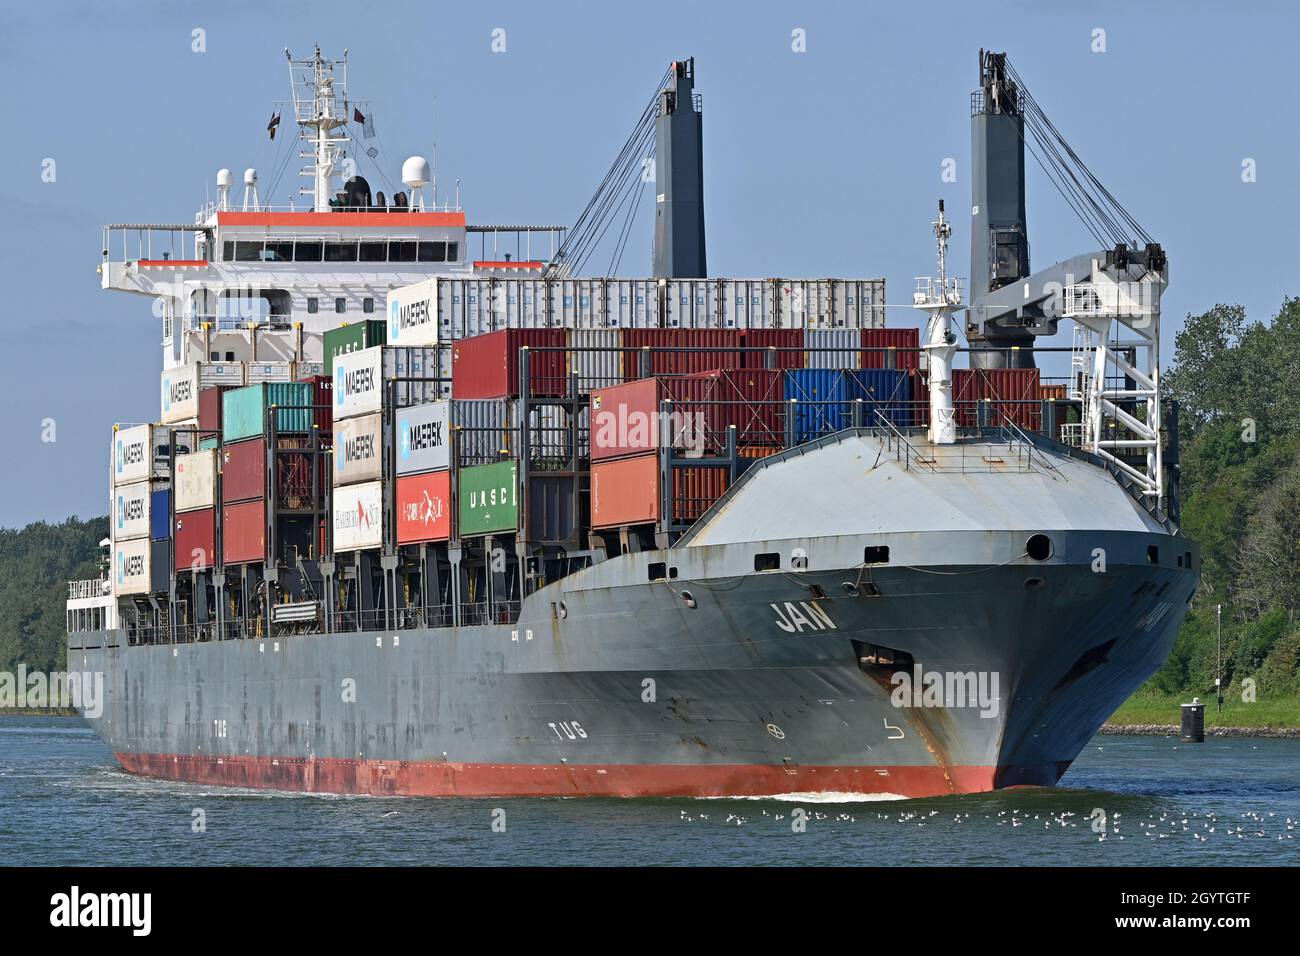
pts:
[424, 507]
[243, 532]
[625, 419]
[1013, 394]
[750, 399]
[786, 346]
[322, 387]
[487, 366]
[243, 470]
[210, 410]
[196, 535]
[713, 348]
[625, 491]
[695, 489]
[905, 342]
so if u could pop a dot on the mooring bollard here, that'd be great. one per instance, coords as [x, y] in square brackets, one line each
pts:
[1194, 722]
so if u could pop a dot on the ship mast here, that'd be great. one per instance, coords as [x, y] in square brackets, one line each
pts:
[320, 109]
[939, 297]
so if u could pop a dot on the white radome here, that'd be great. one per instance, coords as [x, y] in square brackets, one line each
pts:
[415, 172]
[250, 176]
[225, 178]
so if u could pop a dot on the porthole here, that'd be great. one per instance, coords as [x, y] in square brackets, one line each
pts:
[1039, 547]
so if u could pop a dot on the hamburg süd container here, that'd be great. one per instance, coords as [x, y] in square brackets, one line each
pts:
[244, 411]
[353, 337]
[422, 432]
[487, 366]
[196, 536]
[413, 314]
[195, 481]
[424, 507]
[180, 394]
[625, 491]
[358, 447]
[160, 521]
[131, 508]
[358, 517]
[243, 532]
[488, 498]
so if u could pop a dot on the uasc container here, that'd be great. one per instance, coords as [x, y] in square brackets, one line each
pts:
[354, 337]
[488, 498]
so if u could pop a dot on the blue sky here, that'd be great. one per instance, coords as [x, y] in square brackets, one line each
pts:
[820, 163]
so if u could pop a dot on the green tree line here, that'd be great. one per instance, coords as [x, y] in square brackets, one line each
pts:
[1239, 419]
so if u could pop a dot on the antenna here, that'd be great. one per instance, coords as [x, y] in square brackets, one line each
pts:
[320, 109]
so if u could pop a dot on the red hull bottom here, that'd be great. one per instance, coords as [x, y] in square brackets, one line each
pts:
[445, 779]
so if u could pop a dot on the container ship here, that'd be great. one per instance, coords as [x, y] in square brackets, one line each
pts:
[411, 522]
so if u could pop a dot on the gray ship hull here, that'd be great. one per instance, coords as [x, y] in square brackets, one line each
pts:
[717, 681]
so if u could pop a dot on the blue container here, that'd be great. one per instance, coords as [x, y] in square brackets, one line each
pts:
[160, 515]
[825, 398]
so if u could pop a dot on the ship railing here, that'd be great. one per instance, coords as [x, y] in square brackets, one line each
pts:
[1025, 450]
[490, 612]
[84, 590]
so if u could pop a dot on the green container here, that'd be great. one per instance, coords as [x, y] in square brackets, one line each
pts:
[353, 338]
[488, 498]
[207, 444]
[243, 410]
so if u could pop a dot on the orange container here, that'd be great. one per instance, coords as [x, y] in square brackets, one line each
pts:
[625, 491]
[243, 532]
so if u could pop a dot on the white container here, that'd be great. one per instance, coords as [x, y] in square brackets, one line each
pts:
[196, 481]
[306, 370]
[131, 510]
[413, 314]
[222, 373]
[134, 454]
[269, 372]
[422, 432]
[180, 393]
[358, 382]
[602, 367]
[833, 348]
[358, 517]
[358, 445]
[131, 569]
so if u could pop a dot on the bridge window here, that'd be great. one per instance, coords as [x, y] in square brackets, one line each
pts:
[308, 251]
[248, 252]
[402, 251]
[313, 305]
[433, 252]
[374, 252]
[278, 252]
[453, 253]
[367, 305]
[340, 252]
[340, 305]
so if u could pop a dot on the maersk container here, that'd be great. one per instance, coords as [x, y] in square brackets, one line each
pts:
[679, 351]
[133, 568]
[422, 433]
[358, 517]
[833, 348]
[195, 481]
[195, 540]
[269, 372]
[142, 452]
[243, 532]
[358, 447]
[487, 366]
[413, 314]
[180, 394]
[488, 499]
[596, 358]
[160, 520]
[354, 337]
[131, 510]
[244, 411]
[891, 348]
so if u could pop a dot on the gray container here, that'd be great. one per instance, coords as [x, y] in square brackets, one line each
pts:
[833, 348]
[596, 369]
